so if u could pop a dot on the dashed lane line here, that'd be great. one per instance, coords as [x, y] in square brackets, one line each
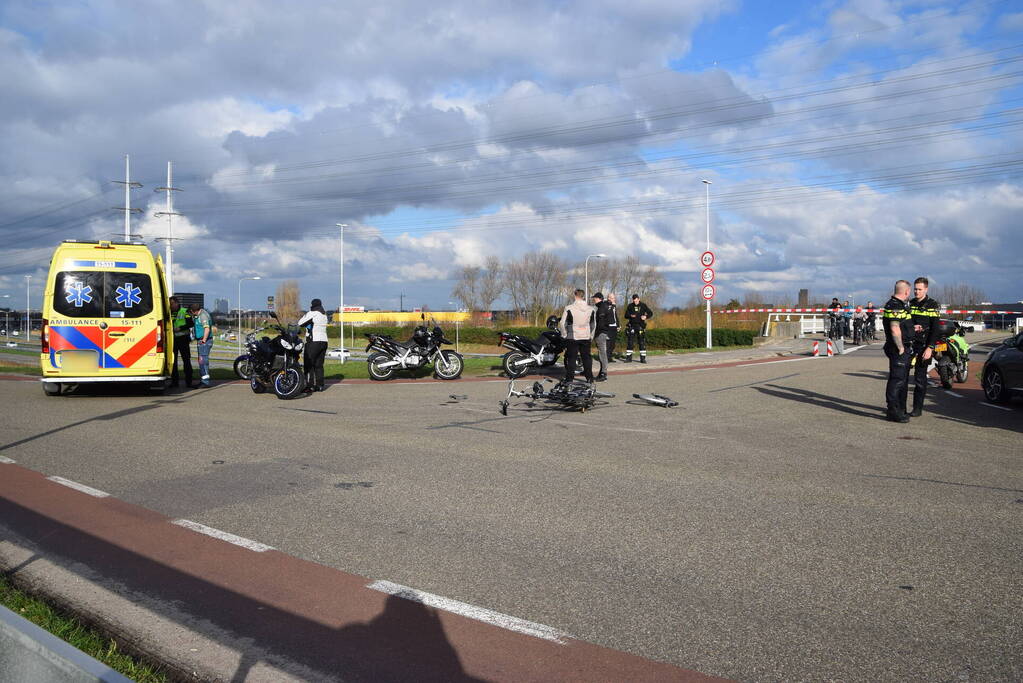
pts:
[79, 487]
[992, 405]
[223, 535]
[471, 611]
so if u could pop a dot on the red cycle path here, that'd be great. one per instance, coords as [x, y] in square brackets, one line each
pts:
[284, 607]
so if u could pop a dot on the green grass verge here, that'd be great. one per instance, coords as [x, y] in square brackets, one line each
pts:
[71, 630]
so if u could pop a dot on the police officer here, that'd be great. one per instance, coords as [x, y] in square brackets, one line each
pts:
[612, 327]
[636, 315]
[601, 333]
[925, 312]
[182, 321]
[898, 336]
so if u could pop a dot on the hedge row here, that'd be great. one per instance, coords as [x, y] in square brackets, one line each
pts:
[656, 338]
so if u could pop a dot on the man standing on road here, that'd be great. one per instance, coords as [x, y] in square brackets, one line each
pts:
[636, 315]
[898, 336]
[925, 312]
[182, 323]
[203, 341]
[602, 334]
[612, 327]
[578, 321]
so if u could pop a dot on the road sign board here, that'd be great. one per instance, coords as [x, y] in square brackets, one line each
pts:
[707, 259]
[269, 303]
[707, 275]
[708, 292]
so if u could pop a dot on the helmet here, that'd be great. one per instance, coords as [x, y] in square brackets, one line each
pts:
[552, 322]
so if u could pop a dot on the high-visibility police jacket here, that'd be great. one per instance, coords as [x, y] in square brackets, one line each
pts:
[925, 313]
[897, 310]
[182, 323]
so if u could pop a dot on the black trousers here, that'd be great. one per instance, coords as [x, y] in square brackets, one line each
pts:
[919, 376]
[897, 390]
[637, 334]
[312, 363]
[182, 350]
[578, 348]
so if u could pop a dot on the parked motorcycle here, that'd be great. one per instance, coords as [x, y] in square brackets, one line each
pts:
[387, 355]
[243, 366]
[526, 353]
[951, 353]
[275, 363]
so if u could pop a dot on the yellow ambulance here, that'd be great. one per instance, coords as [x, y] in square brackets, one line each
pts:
[106, 317]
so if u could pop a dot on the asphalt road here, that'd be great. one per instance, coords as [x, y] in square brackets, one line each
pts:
[771, 527]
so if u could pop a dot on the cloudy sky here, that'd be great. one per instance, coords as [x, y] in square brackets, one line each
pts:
[849, 142]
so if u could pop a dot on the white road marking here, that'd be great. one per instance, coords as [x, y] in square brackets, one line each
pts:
[5, 461]
[79, 487]
[852, 348]
[992, 405]
[223, 535]
[772, 362]
[471, 611]
[952, 393]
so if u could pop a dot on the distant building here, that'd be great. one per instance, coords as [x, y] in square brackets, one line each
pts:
[186, 299]
[804, 298]
[221, 306]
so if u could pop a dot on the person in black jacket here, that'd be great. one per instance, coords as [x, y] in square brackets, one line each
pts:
[601, 333]
[612, 327]
[636, 315]
[898, 339]
[925, 312]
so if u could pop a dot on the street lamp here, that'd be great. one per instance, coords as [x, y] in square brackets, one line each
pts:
[28, 307]
[341, 298]
[253, 277]
[707, 184]
[586, 272]
[7, 319]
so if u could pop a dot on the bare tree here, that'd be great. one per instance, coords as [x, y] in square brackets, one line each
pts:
[959, 294]
[467, 290]
[288, 294]
[491, 283]
[536, 284]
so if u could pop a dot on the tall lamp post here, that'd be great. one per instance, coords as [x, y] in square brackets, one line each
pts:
[586, 272]
[7, 319]
[28, 308]
[707, 184]
[253, 277]
[341, 298]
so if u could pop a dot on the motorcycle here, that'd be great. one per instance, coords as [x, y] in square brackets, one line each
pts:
[529, 353]
[243, 366]
[951, 353]
[387, 356]
[274, 363]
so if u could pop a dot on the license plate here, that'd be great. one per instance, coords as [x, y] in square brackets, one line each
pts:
[941, 347]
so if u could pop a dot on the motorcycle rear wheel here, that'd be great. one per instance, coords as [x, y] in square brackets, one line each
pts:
[512, 368]
[375, 371]
[288, 383]
[448, 365]
[945, 375]
[962, 372]
[242, 366]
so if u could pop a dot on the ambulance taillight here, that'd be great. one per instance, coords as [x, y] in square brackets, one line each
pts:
[44, 337]
[159, 336]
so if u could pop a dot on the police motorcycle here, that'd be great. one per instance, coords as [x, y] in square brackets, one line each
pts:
[529, 353]
[951, 354]
[387, 355]
[275, 363]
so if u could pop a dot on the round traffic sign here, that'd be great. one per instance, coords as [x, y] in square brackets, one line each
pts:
[707, 259]
[707, 275]
[708, 292]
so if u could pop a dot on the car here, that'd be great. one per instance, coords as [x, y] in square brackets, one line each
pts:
[1002, 376]
[339, 354]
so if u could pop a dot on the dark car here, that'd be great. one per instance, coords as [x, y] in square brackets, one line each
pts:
[1002, 377]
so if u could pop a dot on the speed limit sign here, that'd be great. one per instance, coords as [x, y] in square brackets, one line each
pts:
[707, 259]
[708, 292]
[707, 275]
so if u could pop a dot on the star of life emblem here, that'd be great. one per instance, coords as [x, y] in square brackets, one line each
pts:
[128, 295]
[78, 294]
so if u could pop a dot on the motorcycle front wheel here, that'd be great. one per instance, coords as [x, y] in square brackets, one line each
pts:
[242, 366]
[513, 367]
[375, 371]
[288, 383]
[448, 365]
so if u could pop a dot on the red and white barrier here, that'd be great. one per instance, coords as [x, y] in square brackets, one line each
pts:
[877, 311]
[831, 349]
[816, 349]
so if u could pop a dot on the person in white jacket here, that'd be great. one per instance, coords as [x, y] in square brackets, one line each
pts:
[578, 321]
[315, 322]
